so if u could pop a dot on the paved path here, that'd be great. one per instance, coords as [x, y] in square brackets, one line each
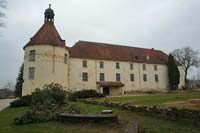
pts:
[5, 103]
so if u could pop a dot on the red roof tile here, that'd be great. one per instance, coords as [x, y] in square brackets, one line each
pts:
[47, 34]
[103, 51]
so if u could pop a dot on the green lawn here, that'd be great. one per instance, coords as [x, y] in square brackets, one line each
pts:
[148, 124]
[158, 99]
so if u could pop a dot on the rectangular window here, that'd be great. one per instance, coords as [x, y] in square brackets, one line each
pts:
[65, 58]
[132, 77]
[118, 77]
[101, 64]
[131, 66]
[31, 73]
[156, 78]
[84, 63]
[117, 65]
[144, 67]
[101, 77]
[144, 77]
[155, 68]
[32, 55]
[85, 76]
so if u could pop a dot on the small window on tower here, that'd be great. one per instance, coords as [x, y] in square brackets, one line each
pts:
[144, 67]
[31, 73]
[32, 55]
[155, 68]
[65, 58]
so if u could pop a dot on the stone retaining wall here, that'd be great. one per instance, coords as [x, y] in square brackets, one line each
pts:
[168, 113]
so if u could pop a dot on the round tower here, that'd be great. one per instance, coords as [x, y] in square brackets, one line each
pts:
[45, 57]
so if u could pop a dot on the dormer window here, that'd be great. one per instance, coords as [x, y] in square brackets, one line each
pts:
[147, 57]
[32, 55]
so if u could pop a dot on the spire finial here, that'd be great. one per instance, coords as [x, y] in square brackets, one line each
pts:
[49, 15]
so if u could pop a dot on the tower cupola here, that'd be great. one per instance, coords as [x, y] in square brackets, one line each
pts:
[49, 15]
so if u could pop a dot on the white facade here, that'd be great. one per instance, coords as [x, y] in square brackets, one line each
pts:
[50, 65]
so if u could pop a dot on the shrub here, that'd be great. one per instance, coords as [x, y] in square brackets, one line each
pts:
[23, 101]
[45, 113]
[50, 94]
[46, 104]
[84, 94]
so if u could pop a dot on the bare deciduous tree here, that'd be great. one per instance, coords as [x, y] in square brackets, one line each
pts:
[188, 58]
[2, 6]
[10, 85]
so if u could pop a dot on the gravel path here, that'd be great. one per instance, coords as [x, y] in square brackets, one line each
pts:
[5, 103]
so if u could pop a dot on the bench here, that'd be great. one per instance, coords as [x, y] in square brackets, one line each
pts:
[88, 117]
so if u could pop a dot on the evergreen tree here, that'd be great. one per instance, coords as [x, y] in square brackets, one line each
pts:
[173, 73]
[19, 82]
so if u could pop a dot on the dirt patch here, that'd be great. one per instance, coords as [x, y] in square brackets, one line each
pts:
[187, 104]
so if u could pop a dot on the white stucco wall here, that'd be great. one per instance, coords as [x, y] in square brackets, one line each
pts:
[109, 70]
[49, 67]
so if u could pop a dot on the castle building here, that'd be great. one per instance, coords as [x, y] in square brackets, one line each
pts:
[106, 68]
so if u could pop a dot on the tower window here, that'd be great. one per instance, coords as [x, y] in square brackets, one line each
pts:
[65, 58]
[156, 78]
[32, 55]
[144, 67]
[155, 68]
[118, 77]
[101, 77]
[144, 77]
[31, 73]
[132, 77]
[131, 66]
[101, 65]
[85, 76]
[84, 63]
[117, 65]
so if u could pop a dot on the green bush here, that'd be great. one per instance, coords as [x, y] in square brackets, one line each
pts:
[50, 94]
[84, 94]
[44, 113]
[47, 103]
[23, 101]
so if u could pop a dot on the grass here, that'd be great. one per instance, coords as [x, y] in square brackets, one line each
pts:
[158, 99]
[148, 124]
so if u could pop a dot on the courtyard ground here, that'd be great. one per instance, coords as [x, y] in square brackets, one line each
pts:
[147, 124]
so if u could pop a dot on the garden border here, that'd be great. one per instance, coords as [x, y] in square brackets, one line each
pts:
[169, 113]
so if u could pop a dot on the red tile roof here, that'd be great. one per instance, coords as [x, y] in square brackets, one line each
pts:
[103, 51]
[47, 34]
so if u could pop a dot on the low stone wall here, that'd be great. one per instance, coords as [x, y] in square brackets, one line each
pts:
[168, 113]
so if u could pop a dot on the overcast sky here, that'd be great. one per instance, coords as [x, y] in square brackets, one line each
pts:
[159, 24]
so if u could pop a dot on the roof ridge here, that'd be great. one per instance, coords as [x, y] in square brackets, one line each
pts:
[119, 45]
